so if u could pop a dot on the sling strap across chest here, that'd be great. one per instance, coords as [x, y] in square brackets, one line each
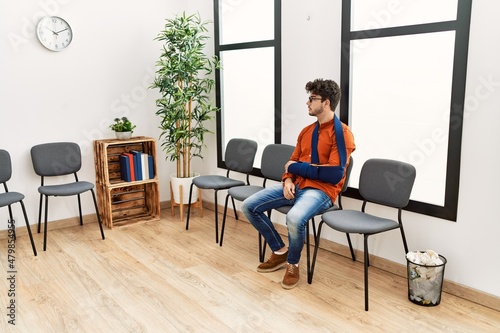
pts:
[325, 173]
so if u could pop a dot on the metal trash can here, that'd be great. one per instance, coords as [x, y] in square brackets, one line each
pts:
[425, 277]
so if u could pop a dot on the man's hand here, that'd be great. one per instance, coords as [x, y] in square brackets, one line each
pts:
[289, 189]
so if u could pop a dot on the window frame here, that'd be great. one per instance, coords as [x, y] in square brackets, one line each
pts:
[274, 43]
[461, 26]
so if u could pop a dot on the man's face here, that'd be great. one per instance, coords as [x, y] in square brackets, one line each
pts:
[315, 105]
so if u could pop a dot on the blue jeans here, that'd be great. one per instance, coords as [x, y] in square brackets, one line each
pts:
[307, 203]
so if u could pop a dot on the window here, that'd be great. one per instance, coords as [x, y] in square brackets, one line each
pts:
[403, 72]
[404, 69]
[247, 41]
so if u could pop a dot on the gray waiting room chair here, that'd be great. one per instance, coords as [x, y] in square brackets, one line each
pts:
[239, 157]
[274, 158]
[8, 198]
[54, 160]
[335, 206]
[384, 182]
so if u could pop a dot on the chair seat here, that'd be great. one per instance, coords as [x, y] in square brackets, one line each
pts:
[9, 198]
[240, 193]
[352, 221]
[216, 182]
[66, 189]
[286, 209]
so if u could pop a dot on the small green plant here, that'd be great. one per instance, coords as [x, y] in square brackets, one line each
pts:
[122, 125]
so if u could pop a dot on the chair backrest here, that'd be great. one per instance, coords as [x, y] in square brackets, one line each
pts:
[240, 155]
[274, 158]
[56, 159]
[387, 182]
[347, 174]
[5, 166]
[346, 181]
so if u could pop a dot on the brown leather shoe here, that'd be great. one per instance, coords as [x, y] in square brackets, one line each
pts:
[275, 262]
[291, 278]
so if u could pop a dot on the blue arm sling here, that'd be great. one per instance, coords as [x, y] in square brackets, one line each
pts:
[327, 173]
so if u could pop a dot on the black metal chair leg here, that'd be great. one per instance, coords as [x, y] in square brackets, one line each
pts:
[40, 212]
[29, 228]
[308, 251]
[14, 237]
[97, 213]
[234, 209]
[189, 205]
[353, 256]
[216, 219]
[80, 209]
[316, 247]
[45, 224]
[366, 271]
[314, 229]
[403, 236]
[224, 221]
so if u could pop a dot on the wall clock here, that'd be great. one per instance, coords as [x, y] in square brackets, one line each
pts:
[54, 33]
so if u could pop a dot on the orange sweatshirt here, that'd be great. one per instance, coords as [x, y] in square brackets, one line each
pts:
[328, 155]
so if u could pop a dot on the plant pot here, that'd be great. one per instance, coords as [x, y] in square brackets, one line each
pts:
[123, 135]
[183, 184]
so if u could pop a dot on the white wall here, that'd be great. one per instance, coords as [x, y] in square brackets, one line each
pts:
[103, 74]
[74, 95]
[469, 243]
[311, 49]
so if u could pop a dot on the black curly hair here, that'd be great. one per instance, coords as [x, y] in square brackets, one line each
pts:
[327, 89]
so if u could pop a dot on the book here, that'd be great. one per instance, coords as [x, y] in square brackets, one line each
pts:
[125, 168]
[137, 164]
[151, 167]
[145, 166]
[131, 166]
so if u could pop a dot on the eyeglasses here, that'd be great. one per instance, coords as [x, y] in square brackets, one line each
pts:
[311, 99]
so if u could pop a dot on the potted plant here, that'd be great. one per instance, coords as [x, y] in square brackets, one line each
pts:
[123, 128]
[183, 78]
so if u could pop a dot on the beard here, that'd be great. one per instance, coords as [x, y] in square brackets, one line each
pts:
[316, 111]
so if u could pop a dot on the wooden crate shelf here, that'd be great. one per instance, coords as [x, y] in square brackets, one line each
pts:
[121, 203]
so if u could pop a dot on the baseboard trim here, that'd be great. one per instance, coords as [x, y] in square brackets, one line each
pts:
[452, 288]
[449, 287]
[59, 224]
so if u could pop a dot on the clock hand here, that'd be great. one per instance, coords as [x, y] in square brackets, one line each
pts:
[61, 31]
[53, 32]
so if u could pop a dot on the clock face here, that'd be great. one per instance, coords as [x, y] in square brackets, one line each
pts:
[54, 33]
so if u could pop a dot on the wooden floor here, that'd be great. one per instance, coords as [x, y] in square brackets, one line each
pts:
[158, 277]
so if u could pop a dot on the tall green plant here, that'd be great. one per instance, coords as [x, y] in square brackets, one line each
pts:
[183, 78]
